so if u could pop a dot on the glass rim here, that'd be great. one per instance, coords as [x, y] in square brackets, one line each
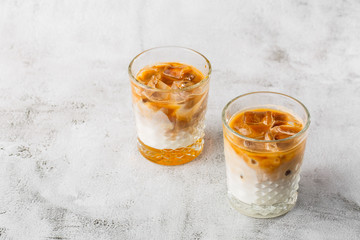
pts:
[305, 128]
[202, 82]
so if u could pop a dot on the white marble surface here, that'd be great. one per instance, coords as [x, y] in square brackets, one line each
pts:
[69, 168]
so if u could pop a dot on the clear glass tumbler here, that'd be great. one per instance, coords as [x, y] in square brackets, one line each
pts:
[170, 122]
[263, 175]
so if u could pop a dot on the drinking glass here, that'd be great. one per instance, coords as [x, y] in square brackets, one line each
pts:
[170, 122]
[263, 175]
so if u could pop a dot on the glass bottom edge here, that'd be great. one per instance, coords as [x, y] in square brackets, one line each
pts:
[171, 157]
[263, 211]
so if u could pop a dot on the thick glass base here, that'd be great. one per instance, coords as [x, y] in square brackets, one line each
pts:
[263, 211]
[171, 156]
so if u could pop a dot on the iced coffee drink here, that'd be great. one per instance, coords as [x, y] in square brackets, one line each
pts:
[264, 147]
[169, 102]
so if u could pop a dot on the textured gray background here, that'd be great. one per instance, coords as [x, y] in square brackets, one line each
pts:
[69, 168]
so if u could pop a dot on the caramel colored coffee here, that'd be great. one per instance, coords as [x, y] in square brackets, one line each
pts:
[267, 124]
[169, 76]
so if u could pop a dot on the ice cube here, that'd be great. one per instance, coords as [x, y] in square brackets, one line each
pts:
[175, 73]
[193, 106]
[189, 76]
[161, 85]
[158, 84]
[284, 131]
[160, 96]
[180, 96]
[279, 123]
[251, 118]
[258, 118]
[178, 73]
[278, 116]
[157, 95]
[255, 146]
[181, 84]
[258, 122]
[279, 119]
[243, 130]
[268, 136]
[268, 120]
[270, 146]
[152, 83]
[153, 80]
[147, 74]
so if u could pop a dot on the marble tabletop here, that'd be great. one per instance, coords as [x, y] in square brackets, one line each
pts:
[69, 167]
